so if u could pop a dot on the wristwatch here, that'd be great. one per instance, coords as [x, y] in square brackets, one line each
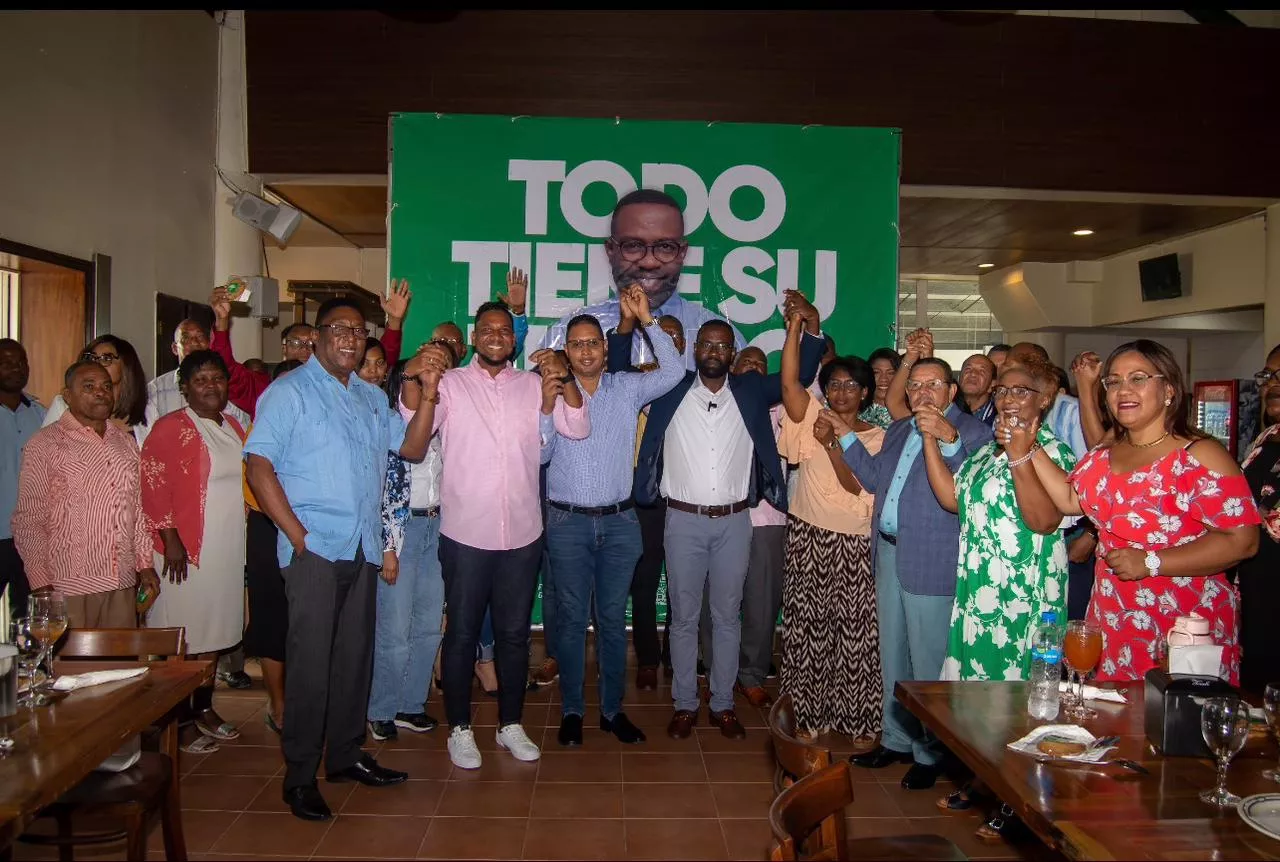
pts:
[653, 321]
[408, 378]
[1152, 562]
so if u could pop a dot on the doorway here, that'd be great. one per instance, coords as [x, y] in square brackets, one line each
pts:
[170, 311]
[47, 303]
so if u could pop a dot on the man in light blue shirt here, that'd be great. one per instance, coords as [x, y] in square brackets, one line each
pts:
[315, 462]
[646, 247]
[20, 418]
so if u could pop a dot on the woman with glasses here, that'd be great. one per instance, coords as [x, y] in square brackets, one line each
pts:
[830, 637]
[1259, 586]
[1172, 509]
[192, 495]
[128, 381]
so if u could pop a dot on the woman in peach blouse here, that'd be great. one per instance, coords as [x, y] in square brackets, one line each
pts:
[830, 639]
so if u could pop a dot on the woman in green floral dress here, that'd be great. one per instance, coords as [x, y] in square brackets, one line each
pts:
[1013, 559]
[1009, 570]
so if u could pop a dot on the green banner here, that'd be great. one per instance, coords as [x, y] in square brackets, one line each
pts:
[767, 207]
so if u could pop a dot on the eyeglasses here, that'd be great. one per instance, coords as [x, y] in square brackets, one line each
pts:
[714, 346]
[445, 339]
[665, 250]
[1137, 380]
[100, 358]
[843, 385]
[1263, 377]
[934, 385]
[1019, 393]
[584, 343]
[341, 330]
[298, 343]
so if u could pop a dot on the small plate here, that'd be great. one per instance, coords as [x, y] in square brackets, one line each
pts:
[1262, 812]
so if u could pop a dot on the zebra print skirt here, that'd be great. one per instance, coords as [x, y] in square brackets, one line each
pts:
[830, 637]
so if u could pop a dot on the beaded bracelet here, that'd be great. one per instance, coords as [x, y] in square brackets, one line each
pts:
[1025, 458]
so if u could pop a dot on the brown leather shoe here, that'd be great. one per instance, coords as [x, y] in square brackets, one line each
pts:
[682, 723]
[728, 723]
[755, 695]
[647, 678]
[545, 673]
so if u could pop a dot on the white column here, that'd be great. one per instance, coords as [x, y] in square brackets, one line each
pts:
[1271, 291]
[922, 304]
[237, 248]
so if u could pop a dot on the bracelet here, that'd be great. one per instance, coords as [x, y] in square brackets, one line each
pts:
[409, 378]
[434, 397]
[1027, 457]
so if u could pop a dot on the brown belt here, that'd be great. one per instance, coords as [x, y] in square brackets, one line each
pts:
[709, 511]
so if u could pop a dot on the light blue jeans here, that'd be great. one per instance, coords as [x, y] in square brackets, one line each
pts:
[408, 630]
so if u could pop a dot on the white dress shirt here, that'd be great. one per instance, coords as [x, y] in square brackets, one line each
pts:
[707, 451]
[424, 478]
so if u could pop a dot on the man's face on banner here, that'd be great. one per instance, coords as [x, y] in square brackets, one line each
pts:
[647, 248]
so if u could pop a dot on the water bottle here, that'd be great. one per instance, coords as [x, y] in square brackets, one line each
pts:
[1046, 668]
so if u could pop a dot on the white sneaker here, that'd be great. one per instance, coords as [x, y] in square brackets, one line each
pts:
[514, 739]
[462, 748]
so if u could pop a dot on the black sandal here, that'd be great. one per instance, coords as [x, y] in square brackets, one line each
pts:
[957, 801]
[999, 826]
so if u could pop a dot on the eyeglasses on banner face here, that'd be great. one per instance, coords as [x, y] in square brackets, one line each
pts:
[665, 250]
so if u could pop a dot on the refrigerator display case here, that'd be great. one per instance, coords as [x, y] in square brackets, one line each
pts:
[1216, 409]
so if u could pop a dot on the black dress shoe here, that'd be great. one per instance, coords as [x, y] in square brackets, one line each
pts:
[621, 727]
[306, 803]
[920, 777]
[570, 730]
[367, 771]
[880, 757]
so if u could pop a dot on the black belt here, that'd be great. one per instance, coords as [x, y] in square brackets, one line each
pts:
[429, 512]
[893, 540]
[709, 511]
[593, 511]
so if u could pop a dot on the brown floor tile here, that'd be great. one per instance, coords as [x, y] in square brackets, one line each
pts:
[747, 839]
[418, 763]
[474, 838]
[497, 766]
[668, 800]
[239, 710]
[675, 839]
[220, 792]
[575, 839]
[653, 715]
[577, 800]
[270, 798]
[272, 834]
[580, 766]
[747, 766]
[254, 732]
[711, 739]
[534, 714]
[434, 740]
[486, 799]
[417, 798]
[200, 830]
[892, 773]
[742, 799]
[878, 827]
[242, 760]
[664, 767]
[960, 830]
[923, 803]
[873, 799]
[367, 837]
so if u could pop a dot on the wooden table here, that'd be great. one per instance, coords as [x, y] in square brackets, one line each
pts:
[1097, 812]
[58, 745]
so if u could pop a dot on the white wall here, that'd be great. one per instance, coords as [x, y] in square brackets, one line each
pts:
[108, 148]
[366, 267]
[1227, 355]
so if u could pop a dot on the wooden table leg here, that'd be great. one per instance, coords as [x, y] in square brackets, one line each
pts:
[175, 845]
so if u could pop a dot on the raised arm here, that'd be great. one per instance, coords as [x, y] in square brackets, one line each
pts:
[795, 398]
[670, 370]
[395, 305]
[812, 345]
[1087, 368]
[941, 479]
[244, 387]
[1039, 512]
[1056, 484]
[919, 346]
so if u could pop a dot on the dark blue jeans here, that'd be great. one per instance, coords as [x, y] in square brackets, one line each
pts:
[589, 553]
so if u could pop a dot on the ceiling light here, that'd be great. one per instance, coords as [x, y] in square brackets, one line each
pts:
[1084, 231]
[985, 265]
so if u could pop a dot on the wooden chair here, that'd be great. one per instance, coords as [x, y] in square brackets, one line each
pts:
[807, 820]
[795, 757]
[138, 792]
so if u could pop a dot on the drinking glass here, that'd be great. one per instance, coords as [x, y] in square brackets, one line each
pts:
[1271, 706]
[1081, 650]
[47, 613]
[1224, 722]
[29, 650]
[8, 694]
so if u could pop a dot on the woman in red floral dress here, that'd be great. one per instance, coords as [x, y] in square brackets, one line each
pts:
[1172, 508]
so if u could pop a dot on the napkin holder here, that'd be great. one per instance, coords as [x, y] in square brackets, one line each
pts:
[1172, 711]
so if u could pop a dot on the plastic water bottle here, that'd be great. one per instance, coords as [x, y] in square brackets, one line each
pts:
[1046, 668]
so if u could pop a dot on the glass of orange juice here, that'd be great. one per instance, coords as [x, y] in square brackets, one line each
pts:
[1081, 650]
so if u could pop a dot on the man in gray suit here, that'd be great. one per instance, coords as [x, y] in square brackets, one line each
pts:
[914, 554]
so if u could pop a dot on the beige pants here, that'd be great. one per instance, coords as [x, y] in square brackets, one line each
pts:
[114, 609]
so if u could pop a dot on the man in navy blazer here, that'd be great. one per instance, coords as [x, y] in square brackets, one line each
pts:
[914, 553]
[709, 450]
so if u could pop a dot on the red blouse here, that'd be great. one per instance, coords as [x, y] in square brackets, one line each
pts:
[1171, 502]
[175, 480]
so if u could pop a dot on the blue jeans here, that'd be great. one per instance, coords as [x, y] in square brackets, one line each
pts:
[484, 649]
[408, 630]
[592, 552]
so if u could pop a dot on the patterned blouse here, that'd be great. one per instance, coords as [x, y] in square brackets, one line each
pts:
[877, 415]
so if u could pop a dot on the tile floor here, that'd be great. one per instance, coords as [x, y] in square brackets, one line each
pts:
[702, 798]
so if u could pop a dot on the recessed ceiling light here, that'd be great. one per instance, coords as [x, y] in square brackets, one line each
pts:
[1084, 231]
[985, 265]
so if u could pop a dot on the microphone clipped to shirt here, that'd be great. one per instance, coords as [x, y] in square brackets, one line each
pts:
[711, 405]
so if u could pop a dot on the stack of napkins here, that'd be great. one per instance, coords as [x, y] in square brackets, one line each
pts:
[97, 677]
[1027, 745]
[1198, 659]
[1094, 693]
